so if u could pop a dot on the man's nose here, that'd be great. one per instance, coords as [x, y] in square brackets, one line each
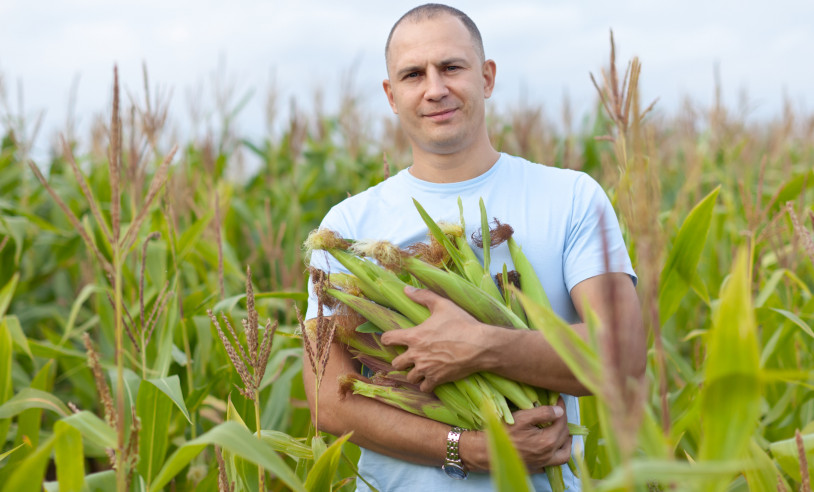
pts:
[436, 86]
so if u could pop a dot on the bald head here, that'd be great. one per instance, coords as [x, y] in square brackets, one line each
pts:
[430, 11]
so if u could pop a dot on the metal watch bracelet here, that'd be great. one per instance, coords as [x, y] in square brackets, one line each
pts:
[454, 466]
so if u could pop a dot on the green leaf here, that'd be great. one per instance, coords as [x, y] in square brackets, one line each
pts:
[645, 471]
[28, 475]
[192, 235]
[284, 443]
[29, 420]
[83, 296]
[787, 456]
[791, 189]
[33, 398]
[6, 385]
[10, 451]
[69, 458]
[171, 386]
[796, 320]
[12, 323]
[95, 482]
[93, 429]
[508, 471]
[731, 393]
[7, 292]
[682, 261]
[580, 358]
[230, 302]
[51, 351]
[154, 409]
[439, 236]
[763, 475]
[232, 437]
[15, 228]
[368, 327]
[321, 475]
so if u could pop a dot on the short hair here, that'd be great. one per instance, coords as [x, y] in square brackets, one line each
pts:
[429, 11]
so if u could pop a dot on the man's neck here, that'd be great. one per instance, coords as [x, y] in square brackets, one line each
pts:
[453, 168]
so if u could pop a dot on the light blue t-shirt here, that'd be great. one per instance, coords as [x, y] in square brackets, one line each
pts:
[559, 218]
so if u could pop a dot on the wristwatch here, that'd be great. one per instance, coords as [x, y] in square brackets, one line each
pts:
[453, 466]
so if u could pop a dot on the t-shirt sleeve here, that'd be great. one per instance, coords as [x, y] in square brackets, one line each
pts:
[322, 260]
[593, 231]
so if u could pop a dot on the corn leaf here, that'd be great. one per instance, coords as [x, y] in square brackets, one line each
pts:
[7, 292]
[680, 267]
[284, 443]
[229, 303]
[580, 358]
[32, 398]
[796, 320]
[508, 470]
[788, 457]
[29, 420]
[439, 236]
[69, 458]
[192, 235]
[17, 336]
[171, 386]
[791, 189]
[154, 408]
[641, 472]
[29, 473]
[321, 475]
[10, 452]
[83, 296]
[93, 429]
[6, 386]
[763, 474]
[731, 395]
[232, 437]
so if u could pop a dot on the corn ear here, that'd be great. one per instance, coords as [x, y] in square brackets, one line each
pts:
[471, 298]
[377, 282]
[385, 319]
[415, 402]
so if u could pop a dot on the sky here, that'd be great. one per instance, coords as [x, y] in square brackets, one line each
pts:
[543, 50]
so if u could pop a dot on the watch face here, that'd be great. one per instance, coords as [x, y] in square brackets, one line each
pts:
[454, 470]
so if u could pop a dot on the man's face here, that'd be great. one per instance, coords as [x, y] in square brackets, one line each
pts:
[438, 84]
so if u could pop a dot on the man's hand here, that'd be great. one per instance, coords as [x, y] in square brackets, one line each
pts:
[538, 447]
[446, 347]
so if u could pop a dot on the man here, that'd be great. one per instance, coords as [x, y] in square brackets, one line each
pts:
[438, 81]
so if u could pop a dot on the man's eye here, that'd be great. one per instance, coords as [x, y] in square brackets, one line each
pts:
[452, 68]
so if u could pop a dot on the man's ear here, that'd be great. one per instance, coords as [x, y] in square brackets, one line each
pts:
[489, 71]
[388, 90]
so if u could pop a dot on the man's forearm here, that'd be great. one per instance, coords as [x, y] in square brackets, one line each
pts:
[525, 356]
[375, 425]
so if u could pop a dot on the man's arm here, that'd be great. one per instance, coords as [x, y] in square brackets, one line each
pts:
[451, 344]
[393, 432]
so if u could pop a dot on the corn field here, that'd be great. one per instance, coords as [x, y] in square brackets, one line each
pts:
[127, 262]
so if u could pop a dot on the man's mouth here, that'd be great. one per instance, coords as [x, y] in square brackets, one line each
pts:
[441, 115]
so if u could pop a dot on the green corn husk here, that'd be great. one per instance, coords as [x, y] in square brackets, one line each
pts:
[385, 319]
[376, 281]
[469, 297]
[351, 284]
[415, 402]
[510, 300]
[529, 281]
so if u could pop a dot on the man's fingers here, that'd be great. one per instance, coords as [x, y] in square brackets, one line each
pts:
[394, 337]
[402, 362]
[538, 415]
